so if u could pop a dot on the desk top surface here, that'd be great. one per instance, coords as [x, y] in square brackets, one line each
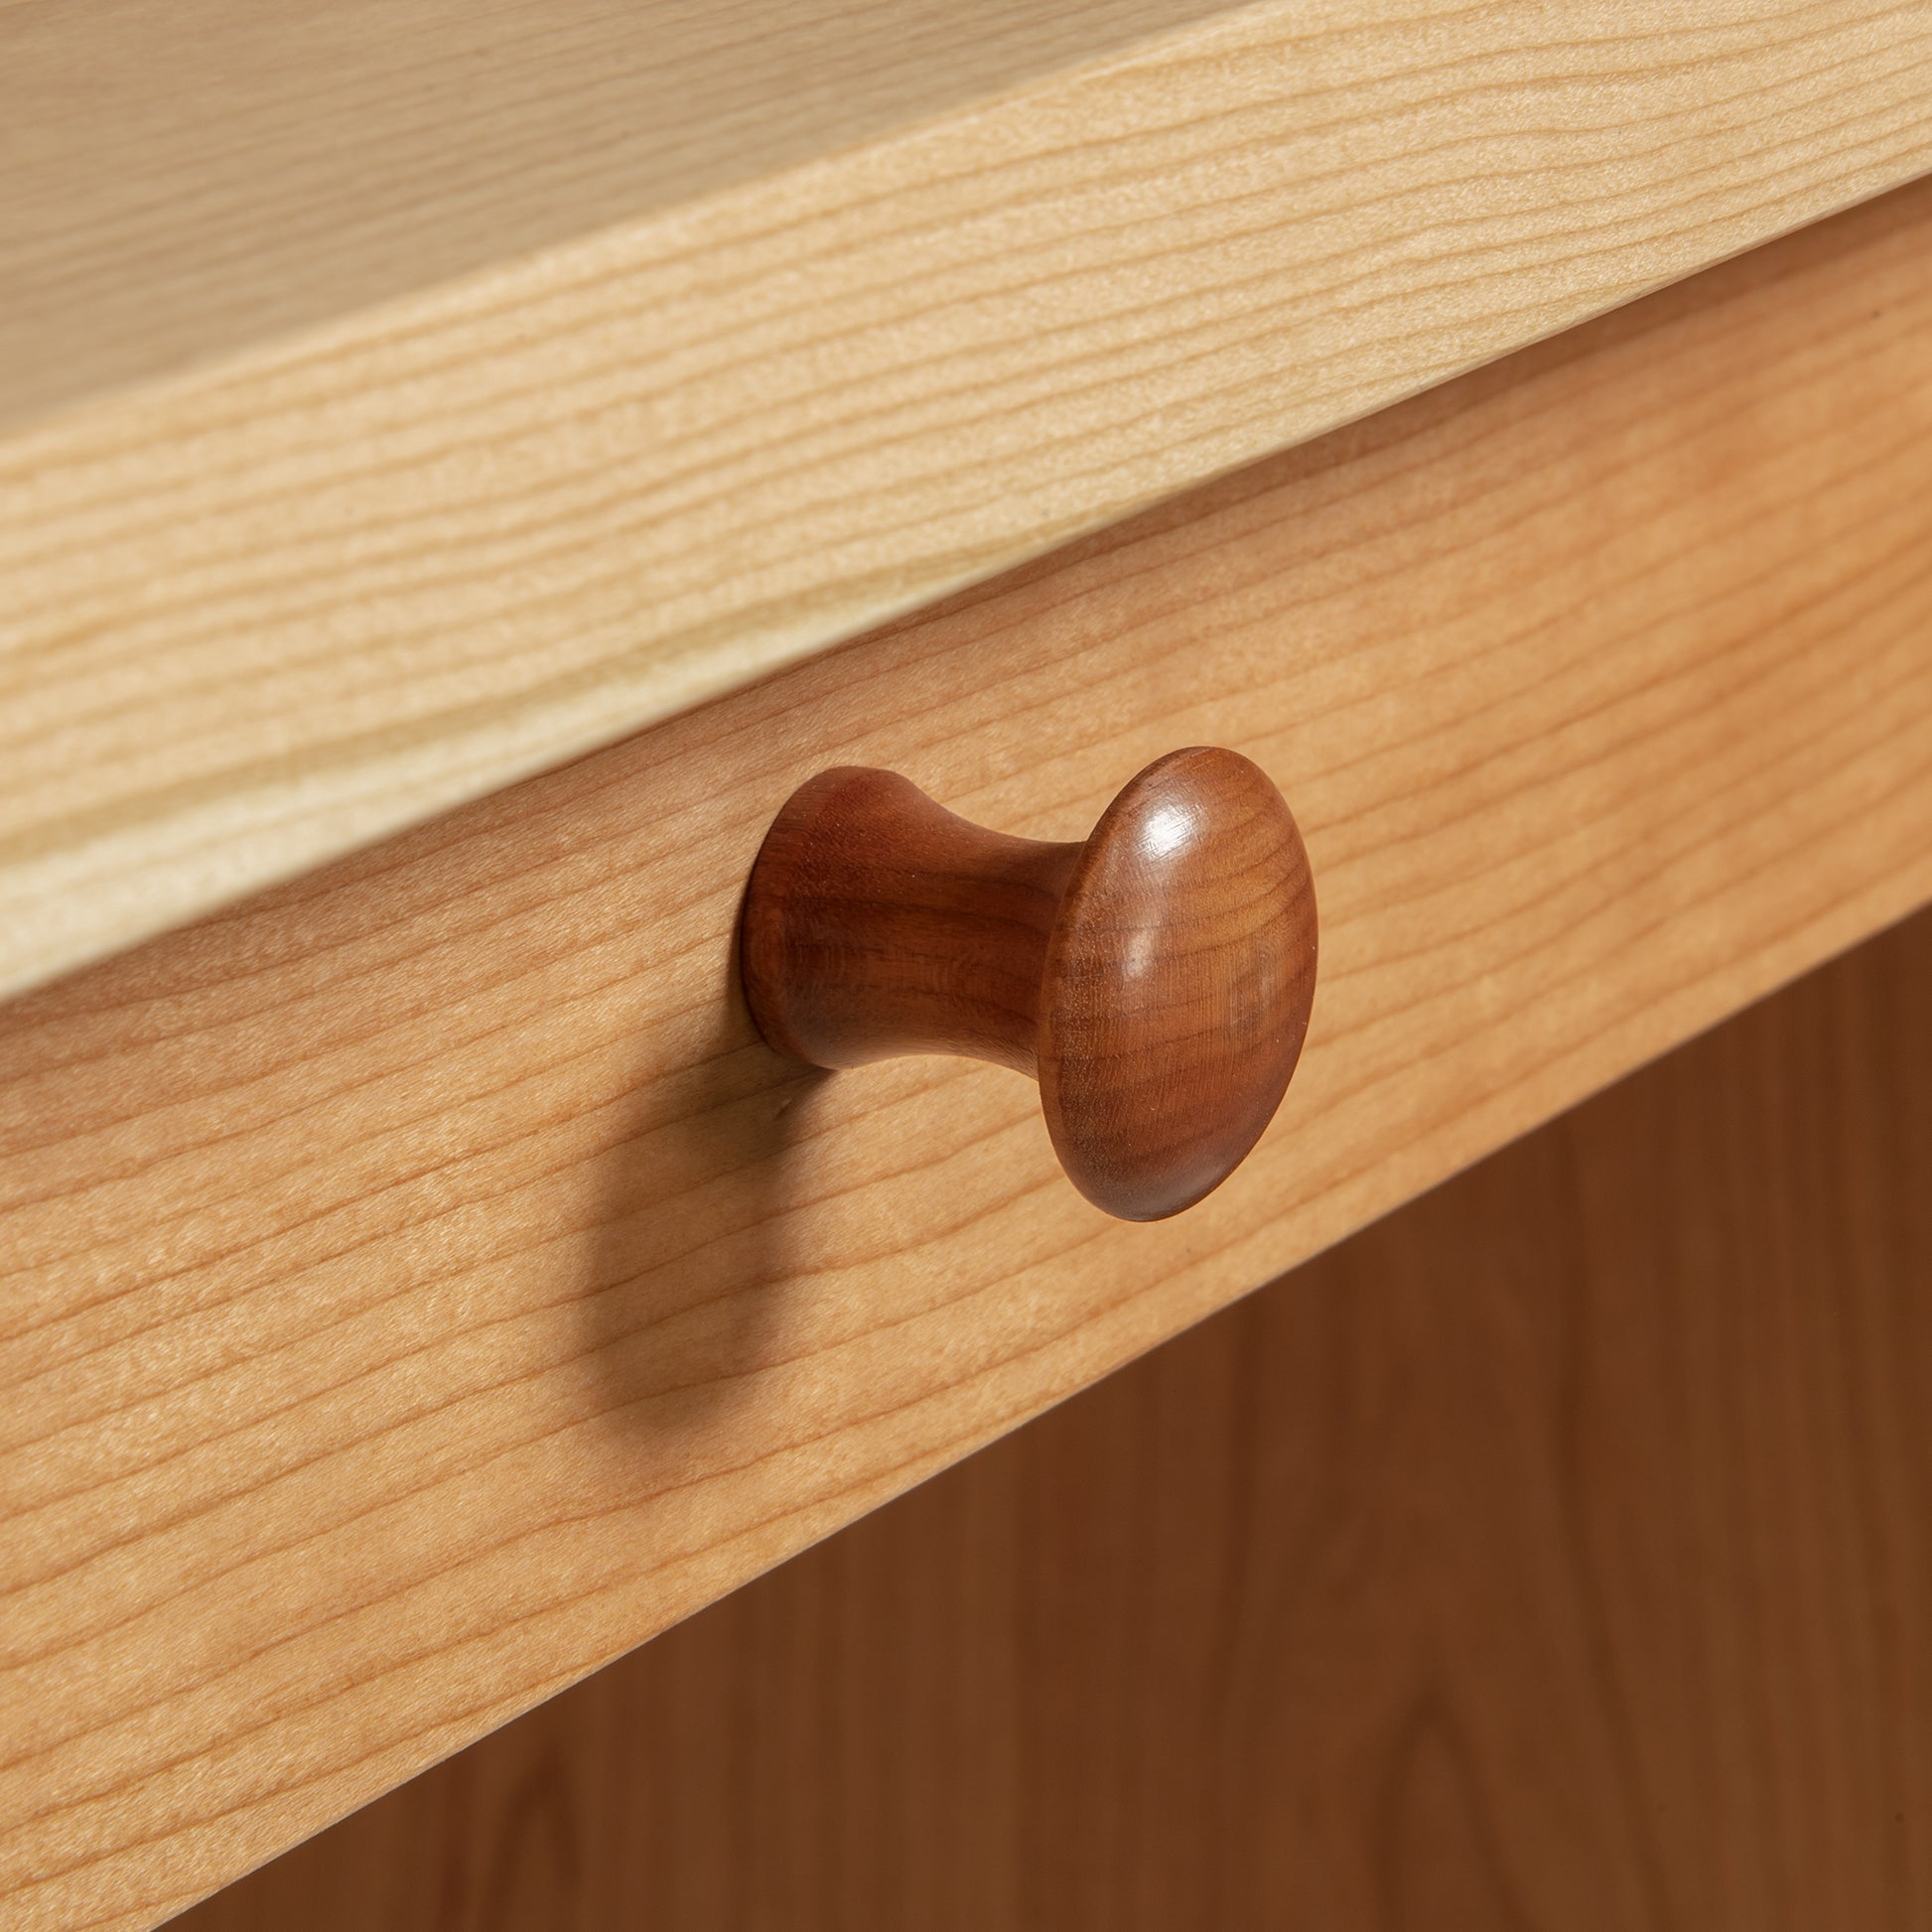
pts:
[398, 400]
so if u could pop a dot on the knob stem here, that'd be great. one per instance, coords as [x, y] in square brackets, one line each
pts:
[880, 924]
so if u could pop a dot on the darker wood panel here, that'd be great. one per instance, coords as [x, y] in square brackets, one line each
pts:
[1557, 1553]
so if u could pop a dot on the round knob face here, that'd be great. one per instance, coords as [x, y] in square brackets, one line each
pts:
[1179, 980]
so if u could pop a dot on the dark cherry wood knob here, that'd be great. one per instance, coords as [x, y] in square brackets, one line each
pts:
[1156, 979]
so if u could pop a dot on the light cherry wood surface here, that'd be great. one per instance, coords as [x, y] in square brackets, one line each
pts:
[421, 1285]
[309, 551]
[187, 182]
[1554, 1553]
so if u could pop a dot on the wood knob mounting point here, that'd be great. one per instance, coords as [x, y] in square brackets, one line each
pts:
[1156, 979]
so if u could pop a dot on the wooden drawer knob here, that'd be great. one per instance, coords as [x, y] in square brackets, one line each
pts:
[1156, 979]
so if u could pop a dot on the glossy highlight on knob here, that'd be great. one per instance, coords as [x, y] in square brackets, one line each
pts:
[1156, 978]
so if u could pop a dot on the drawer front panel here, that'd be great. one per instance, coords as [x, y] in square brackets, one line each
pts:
[422, 1286]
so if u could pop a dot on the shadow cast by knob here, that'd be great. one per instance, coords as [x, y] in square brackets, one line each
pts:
[691, 1257]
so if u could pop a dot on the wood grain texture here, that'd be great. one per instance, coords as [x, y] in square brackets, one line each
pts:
[185, 184]
[1155, 978]
[421, 1285]
[264, 610]
[1557, 1553]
